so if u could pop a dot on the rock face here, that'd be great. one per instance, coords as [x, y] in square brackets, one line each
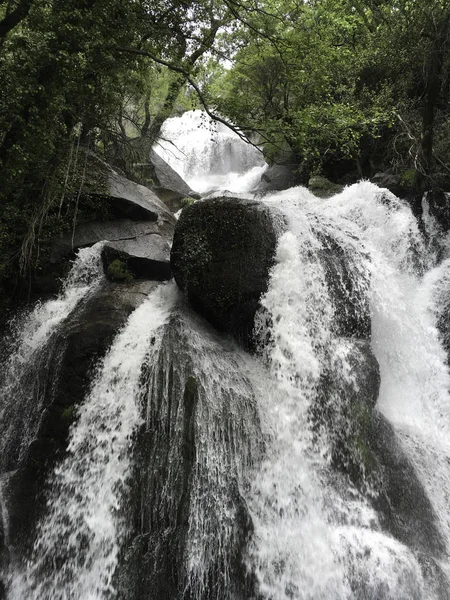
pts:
[279, 177]
[125, 198]
[138, 236]
[323, 187]
[222, 252]
[404, 506]
[145, 257]
[70, 358]
[175, 485]
[365, 446]
[439, 207]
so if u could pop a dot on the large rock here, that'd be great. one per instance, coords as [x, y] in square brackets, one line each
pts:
[88, 234]
[159, 176]
[439, 207]
[222, 252]
[402, 501]
[348, 284]
[280, 177]
[186, 498]
[56, 386]
[323, 187]
[166, 178]
[144, 257]
[124, 198]
[365, 446]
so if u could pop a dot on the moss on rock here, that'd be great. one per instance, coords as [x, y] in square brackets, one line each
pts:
[118, 271]
[221, 256]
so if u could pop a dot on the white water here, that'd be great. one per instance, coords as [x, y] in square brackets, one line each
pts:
[81, 534]
[19, 384]
[224, 420]
[315, 536]
[208, 155]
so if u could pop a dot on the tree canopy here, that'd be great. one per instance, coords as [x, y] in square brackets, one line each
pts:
[334, 85]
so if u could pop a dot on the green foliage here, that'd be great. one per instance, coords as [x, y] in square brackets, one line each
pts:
[68, 414]
[336, 81]
[84, 75]
[118, 271]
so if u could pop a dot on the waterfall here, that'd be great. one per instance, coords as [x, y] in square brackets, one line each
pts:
[208, 155]
[388, 262]
[197, 471]
[21, 383]
[80, 534]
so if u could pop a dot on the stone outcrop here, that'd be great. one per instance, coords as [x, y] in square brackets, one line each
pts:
[144, 257]
[124, 198]
[137, 235]
[222, 252]
[60, 385]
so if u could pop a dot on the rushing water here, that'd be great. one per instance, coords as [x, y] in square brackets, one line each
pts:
[208, 155]
[197, 471]
[21, 388]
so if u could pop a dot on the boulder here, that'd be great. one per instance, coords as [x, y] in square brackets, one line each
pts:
[124, 198]
[348, 283]
[397, 184]
[347, 395]
[143, 257]
[88, 234]
[365, 447]
[57, 385]
[173, 481]
[166, 178]
[323, 187]
[222, 252]
[439, 207]
[159, 176]
[406, 512]
[279, 177]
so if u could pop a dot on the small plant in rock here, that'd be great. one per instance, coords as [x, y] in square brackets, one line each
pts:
[118, 271]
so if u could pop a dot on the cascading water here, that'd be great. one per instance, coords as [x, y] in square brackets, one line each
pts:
[28, 353]
[81, 532]
[196, 471]
[208, 155]
[346, 555]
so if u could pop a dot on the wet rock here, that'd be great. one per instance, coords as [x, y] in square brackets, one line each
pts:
[165, 177]
[180, 506]
[144, 257]
[402, 502]
[439, 207]
[365, 447]
[88, 234]
[348, 283]
[348, 393]
[279, 177]
[323, 187]
[70, 361]
[124, 198]
[222, 252]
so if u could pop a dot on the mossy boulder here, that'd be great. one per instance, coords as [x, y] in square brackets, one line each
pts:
[323, 187]
[221, 256]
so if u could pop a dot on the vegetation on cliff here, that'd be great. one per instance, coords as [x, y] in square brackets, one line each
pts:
[342, 88]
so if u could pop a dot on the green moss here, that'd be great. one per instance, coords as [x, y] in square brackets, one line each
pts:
[407, 178]
[117, 271]
[188, 201]
[68, 414]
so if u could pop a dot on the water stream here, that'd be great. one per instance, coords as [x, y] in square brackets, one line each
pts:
[197, 471]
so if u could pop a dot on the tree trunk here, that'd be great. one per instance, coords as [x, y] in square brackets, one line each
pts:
[433, 85]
